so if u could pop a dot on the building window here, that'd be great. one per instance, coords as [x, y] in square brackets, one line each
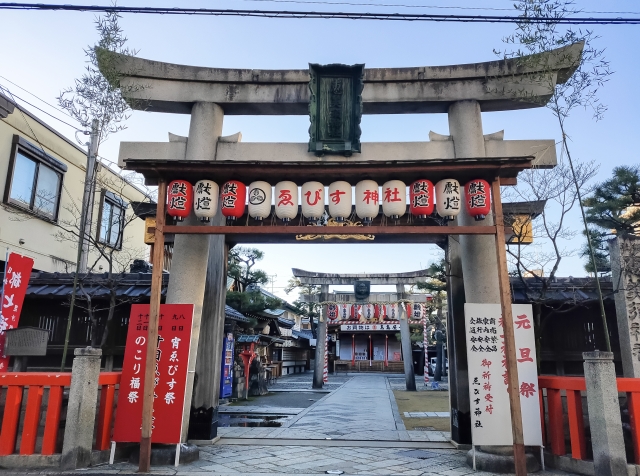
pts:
[34, 180]
[112, 216]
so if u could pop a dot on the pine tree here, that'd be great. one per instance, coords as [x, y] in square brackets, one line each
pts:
[614, 205]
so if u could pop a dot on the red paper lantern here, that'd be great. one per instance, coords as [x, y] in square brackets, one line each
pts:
[477, 198]
[232, 199]
[422, 198]
[179, 199]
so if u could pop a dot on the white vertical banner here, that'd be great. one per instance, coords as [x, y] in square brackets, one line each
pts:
[490, 409]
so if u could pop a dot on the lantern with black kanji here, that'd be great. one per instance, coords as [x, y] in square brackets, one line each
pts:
[285, 195]
[367, 201]
[422, 196]
[392, 312]
[394, 199]
[477, 198]
[205, 200]
[368, 311]
[259, 200]
[340, 200]
[233, 198]
[448, 198]
[312, 200]
[179, 199]
[415, 311]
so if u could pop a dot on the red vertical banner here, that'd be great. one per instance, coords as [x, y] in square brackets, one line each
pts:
[14, 288]
[172, 360]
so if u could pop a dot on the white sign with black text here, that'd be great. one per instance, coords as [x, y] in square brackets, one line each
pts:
[490, 409]
[370, 327]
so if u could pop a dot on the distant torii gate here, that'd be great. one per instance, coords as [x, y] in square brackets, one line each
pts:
[324, 280]
[207, 94]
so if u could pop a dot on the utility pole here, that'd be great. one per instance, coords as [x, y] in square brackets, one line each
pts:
[84, 229]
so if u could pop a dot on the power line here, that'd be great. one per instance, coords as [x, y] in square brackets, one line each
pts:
[38, 98]
[322, 15]
[39, 109]
[400, 5]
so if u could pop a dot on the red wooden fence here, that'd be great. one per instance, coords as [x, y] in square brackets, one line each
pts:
[573, 387]
[15, 382]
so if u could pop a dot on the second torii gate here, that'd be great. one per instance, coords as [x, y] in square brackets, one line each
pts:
[324, 280]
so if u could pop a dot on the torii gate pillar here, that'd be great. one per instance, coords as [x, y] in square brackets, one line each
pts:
[198, 269]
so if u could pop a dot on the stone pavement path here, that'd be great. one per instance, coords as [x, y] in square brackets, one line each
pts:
[362, 409]
[259, 460]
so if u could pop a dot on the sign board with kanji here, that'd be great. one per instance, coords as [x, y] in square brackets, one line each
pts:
[490, 408]
[14, 289]
[370, 327]
[172, 361]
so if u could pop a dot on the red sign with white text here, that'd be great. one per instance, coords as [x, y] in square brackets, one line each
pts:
[16, 280]
[172, 360]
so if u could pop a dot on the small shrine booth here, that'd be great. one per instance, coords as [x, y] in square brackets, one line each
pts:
[364, 328]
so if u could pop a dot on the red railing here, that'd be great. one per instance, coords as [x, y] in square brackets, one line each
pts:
[573, 388]
[15, 382]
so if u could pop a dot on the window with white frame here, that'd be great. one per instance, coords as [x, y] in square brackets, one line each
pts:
[34, 180]
[112, 217]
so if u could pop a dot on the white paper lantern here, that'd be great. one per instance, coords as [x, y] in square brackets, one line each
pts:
[312, 200]
[448, 198]
[394, 199]
[205, 199]
[415, 311]
[368, 311]
[259, 200]
[340, 198]
[286, 199]
[344, 312]
[367, 200]
[393, 312]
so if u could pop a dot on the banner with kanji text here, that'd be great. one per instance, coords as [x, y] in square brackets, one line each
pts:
[172, 361]
[14, 288]
[487, 363]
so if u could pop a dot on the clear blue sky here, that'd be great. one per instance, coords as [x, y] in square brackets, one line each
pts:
[43, 53]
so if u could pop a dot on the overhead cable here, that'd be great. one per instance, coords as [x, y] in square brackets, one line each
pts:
[322, 15]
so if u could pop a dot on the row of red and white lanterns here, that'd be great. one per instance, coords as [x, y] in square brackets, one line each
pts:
[445, 197]
[369, 311]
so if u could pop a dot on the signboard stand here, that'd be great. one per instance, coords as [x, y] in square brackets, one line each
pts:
[473, 448]
[169, 364]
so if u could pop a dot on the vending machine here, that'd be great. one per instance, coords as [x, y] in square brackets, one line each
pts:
[226, 376]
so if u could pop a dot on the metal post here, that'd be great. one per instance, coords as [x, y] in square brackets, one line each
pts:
[509, 338]
[85, 225]
[154, 316]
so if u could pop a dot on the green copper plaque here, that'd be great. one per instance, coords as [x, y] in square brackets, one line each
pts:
[335, 108]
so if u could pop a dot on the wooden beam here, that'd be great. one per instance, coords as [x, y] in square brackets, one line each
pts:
[332, 230]
[462, 170]
[509, 337]
[154, 317]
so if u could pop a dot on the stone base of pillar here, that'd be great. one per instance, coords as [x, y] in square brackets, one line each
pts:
[165, 455]
[499, 459]
[203, 423]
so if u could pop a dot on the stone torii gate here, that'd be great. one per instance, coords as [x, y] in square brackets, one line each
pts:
[207, 94]
[324, 280]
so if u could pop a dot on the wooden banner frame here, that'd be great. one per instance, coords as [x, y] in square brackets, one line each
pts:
[275, 232]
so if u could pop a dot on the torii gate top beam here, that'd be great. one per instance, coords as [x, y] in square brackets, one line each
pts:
[497, 85]
[411, 277]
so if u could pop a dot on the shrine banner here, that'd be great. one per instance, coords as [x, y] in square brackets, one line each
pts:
[172, 361]
[490, 409]
[14, 289]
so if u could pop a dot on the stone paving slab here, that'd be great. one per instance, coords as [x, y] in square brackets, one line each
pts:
[261, 410]
[427, 414]
[256, 460]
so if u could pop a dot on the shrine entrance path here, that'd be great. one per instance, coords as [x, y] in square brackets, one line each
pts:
[362, 409]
